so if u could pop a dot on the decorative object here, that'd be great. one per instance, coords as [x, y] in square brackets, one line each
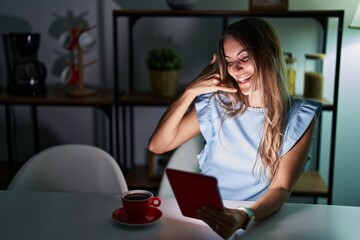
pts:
[77, 39]
[291, 72]
[157, 164]
[268, 5]
[163, 66]
[314, 79]
[181, 4]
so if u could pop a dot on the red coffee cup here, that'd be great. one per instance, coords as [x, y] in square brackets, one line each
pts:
[136, 203]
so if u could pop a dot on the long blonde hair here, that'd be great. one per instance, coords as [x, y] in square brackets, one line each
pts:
[262, 43]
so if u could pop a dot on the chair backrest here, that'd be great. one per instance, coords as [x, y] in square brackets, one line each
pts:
[70, 168]
[183, 158]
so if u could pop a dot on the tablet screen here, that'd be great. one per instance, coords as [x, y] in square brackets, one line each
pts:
[193, 190]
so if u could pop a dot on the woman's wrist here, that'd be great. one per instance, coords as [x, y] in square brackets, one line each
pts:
[190, 93]
[243, 219]
[247, 215]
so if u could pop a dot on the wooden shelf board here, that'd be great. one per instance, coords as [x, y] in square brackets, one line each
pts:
[58, 96]
[310, 184]
[144, 98]
[147, 99]
[228, 13]
[327, 105]
[138, 178]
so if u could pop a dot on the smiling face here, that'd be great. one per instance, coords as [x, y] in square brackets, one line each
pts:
[239, 64]
[250, 55]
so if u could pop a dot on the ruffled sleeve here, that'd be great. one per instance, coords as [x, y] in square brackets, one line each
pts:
[206, 110]
[205, 119]
[299, 118]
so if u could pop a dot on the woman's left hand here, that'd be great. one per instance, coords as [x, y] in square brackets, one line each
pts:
[225, 223]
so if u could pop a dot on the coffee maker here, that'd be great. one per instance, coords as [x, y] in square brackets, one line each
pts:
[25, 74]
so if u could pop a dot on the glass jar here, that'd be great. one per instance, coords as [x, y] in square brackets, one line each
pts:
[314, 79]
[291, 72]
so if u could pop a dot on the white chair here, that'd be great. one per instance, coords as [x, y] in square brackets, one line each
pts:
[70, 168]
[183, 158]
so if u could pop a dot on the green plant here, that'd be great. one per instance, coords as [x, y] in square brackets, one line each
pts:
[163, 59]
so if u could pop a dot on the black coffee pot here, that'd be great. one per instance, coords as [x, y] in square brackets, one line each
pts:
[25, 74]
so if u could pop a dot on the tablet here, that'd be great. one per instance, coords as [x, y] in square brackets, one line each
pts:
[193, 190]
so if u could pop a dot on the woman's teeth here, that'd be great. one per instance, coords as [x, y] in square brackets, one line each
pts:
[244, 78]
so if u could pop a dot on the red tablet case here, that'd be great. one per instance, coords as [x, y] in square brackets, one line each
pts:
[193, 190]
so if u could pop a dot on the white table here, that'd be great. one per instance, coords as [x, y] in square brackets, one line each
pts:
[41, 215]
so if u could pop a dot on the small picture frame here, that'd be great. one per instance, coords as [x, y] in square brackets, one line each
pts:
[268, 5]
[157, 164]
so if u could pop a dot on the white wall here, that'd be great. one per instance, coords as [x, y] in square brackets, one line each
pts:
[84, 125]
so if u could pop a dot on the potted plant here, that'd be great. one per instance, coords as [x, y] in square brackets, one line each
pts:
[163, 66]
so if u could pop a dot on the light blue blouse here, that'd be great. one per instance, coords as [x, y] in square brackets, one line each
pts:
[231, 146]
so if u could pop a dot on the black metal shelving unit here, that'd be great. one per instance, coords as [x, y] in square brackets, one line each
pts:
[310, 184]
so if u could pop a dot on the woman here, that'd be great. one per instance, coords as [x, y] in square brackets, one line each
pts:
[257, 137]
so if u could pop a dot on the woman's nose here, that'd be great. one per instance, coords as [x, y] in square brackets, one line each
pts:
[237, 67]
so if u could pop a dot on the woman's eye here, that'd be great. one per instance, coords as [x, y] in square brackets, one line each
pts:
[229, 63]
[245, 58]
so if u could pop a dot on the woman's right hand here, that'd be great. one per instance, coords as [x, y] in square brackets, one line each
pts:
[208, 81]
[178, 124]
